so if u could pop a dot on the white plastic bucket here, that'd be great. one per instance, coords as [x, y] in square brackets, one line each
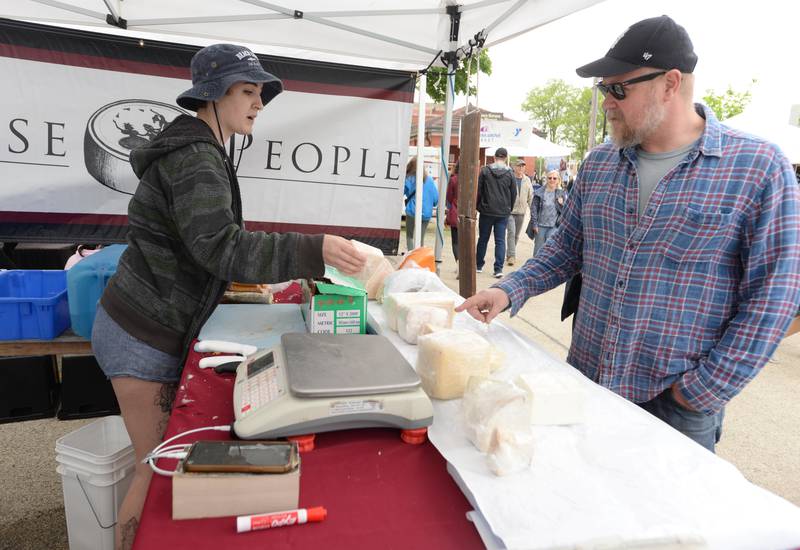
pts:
[96, 463]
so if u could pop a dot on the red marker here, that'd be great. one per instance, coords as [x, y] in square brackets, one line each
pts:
[280, 519]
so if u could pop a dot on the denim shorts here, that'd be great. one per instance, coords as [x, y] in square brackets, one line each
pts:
[120, 354]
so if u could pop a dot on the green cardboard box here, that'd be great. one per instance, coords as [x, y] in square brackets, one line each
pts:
[336, 304]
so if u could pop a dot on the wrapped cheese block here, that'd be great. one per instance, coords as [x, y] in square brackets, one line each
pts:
[447, 359]
[412, 318]
[392, 302]
[511, 450]
[483, 399]
[497, 421]
[555, 399]
[375, 270]
[374, 284]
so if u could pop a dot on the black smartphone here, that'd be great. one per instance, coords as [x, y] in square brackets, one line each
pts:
[271, 457]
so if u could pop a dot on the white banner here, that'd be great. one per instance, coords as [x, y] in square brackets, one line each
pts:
[325, 155]
[505, 133]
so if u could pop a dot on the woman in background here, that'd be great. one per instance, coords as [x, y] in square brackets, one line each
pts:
[451, 219]
[430, 198]
[546, 206]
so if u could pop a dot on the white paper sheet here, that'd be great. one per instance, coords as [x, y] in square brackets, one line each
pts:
[624, 479]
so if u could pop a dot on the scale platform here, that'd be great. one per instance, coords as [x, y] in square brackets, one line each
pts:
[323, 382]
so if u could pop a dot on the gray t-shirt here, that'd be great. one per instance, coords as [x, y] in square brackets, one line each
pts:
[652, 167]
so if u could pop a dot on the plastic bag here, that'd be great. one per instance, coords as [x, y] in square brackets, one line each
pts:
[412, 280]
[421, 257]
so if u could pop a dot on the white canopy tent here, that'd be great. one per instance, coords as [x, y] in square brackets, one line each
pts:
[374, 33]
[770, 126]
[536, 147]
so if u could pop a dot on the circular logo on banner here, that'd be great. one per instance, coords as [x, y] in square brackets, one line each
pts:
[115, 130]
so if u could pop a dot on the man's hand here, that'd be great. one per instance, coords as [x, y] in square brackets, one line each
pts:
[536, 230]
[486, 304]
[561, 201]
[679, 399]
[341, 254]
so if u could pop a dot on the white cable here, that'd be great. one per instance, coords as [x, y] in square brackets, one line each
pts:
[163, 451]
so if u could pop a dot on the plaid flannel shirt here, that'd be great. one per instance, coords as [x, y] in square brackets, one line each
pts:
[699, 290]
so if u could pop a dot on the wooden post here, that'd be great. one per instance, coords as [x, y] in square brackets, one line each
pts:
[469, 165]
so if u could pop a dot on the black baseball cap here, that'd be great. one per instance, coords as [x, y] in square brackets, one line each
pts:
[658, 42]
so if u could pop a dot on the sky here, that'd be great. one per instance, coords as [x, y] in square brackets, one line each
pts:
[735, 41]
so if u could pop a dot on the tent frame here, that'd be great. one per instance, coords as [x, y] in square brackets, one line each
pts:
[450, 59]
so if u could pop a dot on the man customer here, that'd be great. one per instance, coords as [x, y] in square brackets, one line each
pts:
[496, 195]
[687, 234]
[521, 206]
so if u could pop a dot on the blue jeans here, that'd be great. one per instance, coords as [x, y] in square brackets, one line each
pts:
[487, 224]
[541, 238]
[705, 430]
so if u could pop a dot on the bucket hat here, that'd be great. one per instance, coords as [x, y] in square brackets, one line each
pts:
[216, 68]
[657, 42]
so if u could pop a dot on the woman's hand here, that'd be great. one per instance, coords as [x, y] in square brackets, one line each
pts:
[340, 253]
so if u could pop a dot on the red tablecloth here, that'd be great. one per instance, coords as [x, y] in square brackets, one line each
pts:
[379, 492]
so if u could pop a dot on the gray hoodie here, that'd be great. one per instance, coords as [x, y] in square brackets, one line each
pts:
[186, 240]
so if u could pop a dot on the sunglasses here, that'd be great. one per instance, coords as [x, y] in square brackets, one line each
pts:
[618, 88]
[552, 178]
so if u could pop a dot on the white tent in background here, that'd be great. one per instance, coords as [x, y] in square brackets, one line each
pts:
[376, 33]
[537, 147]
[772, 126]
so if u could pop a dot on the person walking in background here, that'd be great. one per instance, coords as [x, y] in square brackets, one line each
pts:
[496, 195]
[687, 236]
[521, 207]
[430, 198]
[546, 207]
[451, 217]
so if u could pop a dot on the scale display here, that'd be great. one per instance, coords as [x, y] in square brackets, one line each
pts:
[320, 382]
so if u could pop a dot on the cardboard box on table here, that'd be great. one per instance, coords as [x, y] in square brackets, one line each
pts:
[336, 304]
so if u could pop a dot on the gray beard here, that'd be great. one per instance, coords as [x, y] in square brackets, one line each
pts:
[629, 137]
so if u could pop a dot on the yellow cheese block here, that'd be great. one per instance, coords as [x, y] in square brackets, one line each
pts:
[447, 359]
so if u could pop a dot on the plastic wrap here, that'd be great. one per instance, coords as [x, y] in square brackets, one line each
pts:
[412, 318]
[412, 280]
[448, 358]
[497, 421]
[375, 270]
[395, 300]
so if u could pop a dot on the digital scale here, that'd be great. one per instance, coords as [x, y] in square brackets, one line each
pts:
[323, 382]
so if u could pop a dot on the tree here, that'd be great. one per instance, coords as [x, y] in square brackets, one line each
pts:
[577, 120]
[728, 104]
[437, 77]
[548, 106]
[563, 112]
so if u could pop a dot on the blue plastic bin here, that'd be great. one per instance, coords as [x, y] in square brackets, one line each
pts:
[33, 304]
[86, 281]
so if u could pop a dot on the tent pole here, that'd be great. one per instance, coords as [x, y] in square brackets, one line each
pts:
[451, 59]
[420, 162]
[447, 129]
